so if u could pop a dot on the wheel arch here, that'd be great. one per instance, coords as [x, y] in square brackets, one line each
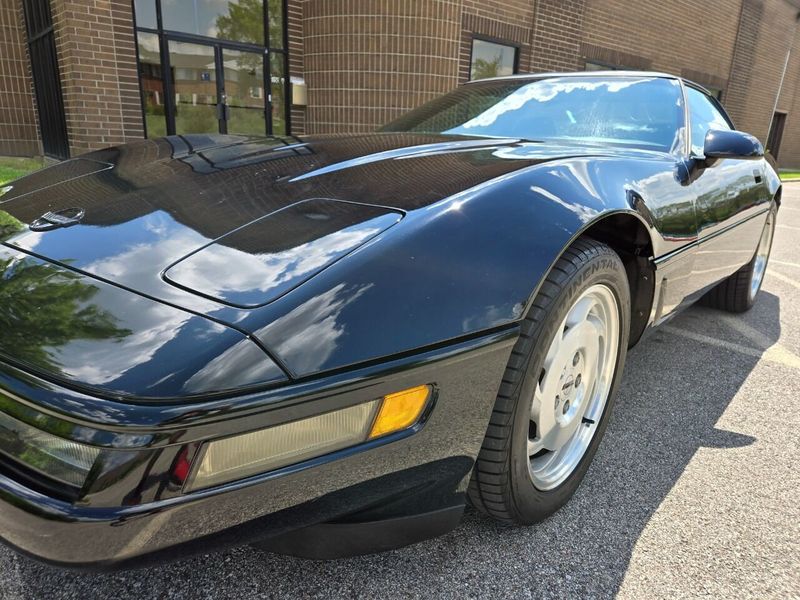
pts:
[627, 233]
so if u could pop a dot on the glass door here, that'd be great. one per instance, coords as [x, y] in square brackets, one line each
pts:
[195, 88]
[243, 92]
[219, 89]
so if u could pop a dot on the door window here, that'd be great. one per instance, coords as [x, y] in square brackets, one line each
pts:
[278, 93]
[194, 82]
[244, 90]
[704, 116]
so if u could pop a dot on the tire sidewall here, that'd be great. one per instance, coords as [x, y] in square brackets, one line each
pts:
[531, 504]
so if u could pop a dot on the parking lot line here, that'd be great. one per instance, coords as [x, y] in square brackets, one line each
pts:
[775, 353]
[784, 278]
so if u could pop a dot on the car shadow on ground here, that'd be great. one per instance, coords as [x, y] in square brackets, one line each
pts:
[678, 383]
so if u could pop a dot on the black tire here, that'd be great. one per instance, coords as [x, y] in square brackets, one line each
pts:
[501, 485]
[733, 294]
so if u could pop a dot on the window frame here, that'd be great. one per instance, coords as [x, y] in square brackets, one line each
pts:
[499, 42]
[165, 35]
[685, 85]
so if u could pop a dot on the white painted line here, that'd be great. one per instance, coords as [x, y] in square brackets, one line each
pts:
[788, 227]
[774, 354]
[784, 278]
[759, 339]
[785, 263]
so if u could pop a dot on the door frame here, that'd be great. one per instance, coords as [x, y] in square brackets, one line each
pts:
[165, 35]
[218, 47]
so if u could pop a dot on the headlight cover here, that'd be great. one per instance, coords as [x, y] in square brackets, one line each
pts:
[265, 450]
[55, 457]
[240, 456]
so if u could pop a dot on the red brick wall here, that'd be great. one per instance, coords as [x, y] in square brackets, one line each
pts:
[789, 155]
[476, 24]
[18, 125]
[368, 62]
[671, 36]
[766, 30]
[99, 80]
[557, 35]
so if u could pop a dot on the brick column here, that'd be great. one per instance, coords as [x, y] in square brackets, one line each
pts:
[18, 125]
[294, 18]
[96, 49]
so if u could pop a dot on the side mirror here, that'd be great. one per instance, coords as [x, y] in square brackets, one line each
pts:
[731, 144]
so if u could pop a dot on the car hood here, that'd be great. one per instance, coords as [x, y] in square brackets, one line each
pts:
[177, 209]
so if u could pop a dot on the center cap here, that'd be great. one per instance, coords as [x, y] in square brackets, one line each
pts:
[568, 383]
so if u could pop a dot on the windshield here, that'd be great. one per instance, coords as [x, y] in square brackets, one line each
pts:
[638, 111]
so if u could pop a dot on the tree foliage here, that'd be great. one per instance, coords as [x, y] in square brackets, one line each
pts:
[481, 68]
[43, 308]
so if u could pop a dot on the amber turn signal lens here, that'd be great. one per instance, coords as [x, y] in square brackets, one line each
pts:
[400, 410]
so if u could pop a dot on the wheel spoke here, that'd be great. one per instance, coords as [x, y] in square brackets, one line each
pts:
[580, 311]
[534, 447]
[581, 335]
[555, 347]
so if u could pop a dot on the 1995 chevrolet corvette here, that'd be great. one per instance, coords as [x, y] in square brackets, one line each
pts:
[328, 345]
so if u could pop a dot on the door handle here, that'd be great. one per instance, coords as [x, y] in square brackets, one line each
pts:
[757, 175]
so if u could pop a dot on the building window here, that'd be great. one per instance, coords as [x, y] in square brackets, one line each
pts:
[596, 66]
[591, 66]
[492, 59]
[203, 65]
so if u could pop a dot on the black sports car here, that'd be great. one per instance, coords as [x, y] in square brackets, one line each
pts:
[328, 345]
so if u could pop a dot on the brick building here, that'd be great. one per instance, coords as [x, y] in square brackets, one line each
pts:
[76, 75]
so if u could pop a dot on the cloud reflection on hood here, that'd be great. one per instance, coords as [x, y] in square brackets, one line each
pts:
[310, 333]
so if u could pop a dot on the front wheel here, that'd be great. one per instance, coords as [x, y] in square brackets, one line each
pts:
[557, 392]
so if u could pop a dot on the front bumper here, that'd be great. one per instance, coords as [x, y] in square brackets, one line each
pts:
[138, 518]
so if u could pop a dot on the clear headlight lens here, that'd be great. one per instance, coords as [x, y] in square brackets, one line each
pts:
[50, 455]
[241, 456]
[268, 449]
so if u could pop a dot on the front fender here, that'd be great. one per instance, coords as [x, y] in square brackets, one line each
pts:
[456, 268]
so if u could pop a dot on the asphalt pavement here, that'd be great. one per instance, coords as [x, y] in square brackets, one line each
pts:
[695, 491]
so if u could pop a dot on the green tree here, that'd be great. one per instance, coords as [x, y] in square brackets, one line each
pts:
[482, 69]
[43, 307]
[245, 22]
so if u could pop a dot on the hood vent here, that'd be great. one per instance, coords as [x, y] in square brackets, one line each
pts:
[261, 261]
